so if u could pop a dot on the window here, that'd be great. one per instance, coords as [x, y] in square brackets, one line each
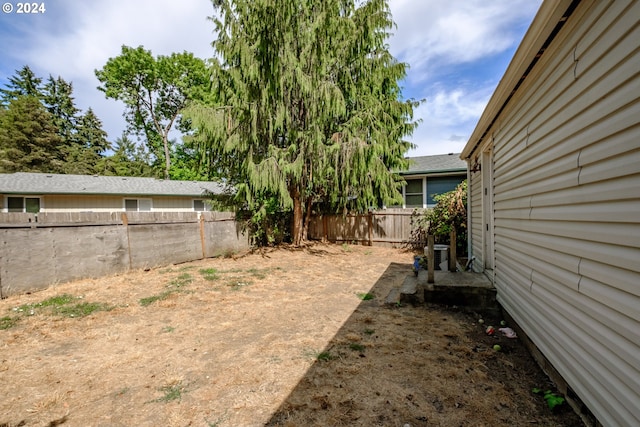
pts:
[440, 185]
[200, 205]
[23, 204]
[413, 193]
[137, 205]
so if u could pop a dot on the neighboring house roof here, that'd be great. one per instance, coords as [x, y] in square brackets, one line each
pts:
[440, 163]
[48, 183]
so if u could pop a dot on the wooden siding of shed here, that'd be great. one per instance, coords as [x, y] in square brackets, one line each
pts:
[567, 207]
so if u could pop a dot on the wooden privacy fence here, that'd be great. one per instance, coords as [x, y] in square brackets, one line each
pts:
[37, 251]
[389, 227]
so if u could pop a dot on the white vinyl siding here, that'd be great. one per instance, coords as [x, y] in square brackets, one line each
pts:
[567, 207]
[475, 212]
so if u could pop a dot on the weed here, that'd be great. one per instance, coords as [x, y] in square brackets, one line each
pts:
[209, 273]
[324, 356]
[8, 322]
[82, 309]
[356, 347]
[180, 281]
[365, 296]
[553, 399]
[346, 247]
[168, 329]
[150, 300]
[368, 252]
[62, 305]
[369, 331]
[171, 392]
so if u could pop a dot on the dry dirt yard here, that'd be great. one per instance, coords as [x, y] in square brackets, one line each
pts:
[279, 338]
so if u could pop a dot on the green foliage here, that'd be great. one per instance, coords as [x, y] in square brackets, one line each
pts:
[553, 399]
[63, 305]
[7, 322]
[155, 91]
[306, 112]
[24, 83]
[450, 212]
[366, 296]
[43, 131]
[28, 140]
[357, 347]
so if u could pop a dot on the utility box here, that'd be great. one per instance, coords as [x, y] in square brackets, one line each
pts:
[441, 255]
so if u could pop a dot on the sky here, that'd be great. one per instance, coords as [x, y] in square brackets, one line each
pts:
[457, 52]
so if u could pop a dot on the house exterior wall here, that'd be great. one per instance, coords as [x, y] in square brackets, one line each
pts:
[566, 206]
[98, 203]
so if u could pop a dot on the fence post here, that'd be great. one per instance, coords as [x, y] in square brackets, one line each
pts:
[125, 222]
[370, 224]
[431, 260]
[325, 236]
[202, 240]
[452, 251]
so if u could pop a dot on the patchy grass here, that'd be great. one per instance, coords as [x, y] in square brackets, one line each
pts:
[171, 392]
[356, 347]
[61, 305]
[209, 274]
[8, 322]
[180, 281]
[82, 309]
[365, 296]
[147, 301]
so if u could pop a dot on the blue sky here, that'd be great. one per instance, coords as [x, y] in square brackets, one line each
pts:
[457, 51]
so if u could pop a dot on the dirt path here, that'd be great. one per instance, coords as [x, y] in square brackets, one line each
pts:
[282, 338]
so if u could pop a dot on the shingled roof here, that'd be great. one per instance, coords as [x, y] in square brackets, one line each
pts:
[440, 163]
[47, 183]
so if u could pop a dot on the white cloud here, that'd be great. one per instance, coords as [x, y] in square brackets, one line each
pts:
[86, 34]
[433, 33]
[448, 118]
[435, 37]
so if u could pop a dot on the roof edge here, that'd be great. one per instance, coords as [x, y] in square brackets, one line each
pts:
[548, 20]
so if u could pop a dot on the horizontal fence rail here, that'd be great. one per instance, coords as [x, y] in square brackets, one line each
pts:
[40, 250]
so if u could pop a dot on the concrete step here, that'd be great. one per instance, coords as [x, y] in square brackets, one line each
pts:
[466, 290]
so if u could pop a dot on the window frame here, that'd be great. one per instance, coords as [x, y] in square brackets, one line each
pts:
[137, 200]
[24, 203]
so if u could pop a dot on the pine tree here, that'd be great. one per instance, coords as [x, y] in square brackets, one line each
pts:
[88, 146]
[28, 140]
[309, 107]
[57, 97]
[24, 83]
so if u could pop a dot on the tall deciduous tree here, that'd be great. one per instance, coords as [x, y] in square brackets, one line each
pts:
[154, 90]
[309, 105]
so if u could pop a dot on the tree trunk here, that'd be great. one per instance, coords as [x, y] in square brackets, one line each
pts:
[167, 159]
[307, 219]
[297, 234]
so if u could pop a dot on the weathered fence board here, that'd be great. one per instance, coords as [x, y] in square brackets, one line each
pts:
[385, 228]
[59, 248]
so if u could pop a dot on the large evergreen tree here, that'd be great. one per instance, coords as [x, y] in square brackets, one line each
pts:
[57, 97]
[309, 108]
[24, 83]
[28, 139]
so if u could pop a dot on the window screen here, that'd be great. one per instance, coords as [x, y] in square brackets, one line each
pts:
[15, 204]
[198, 205]
[131, 205]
